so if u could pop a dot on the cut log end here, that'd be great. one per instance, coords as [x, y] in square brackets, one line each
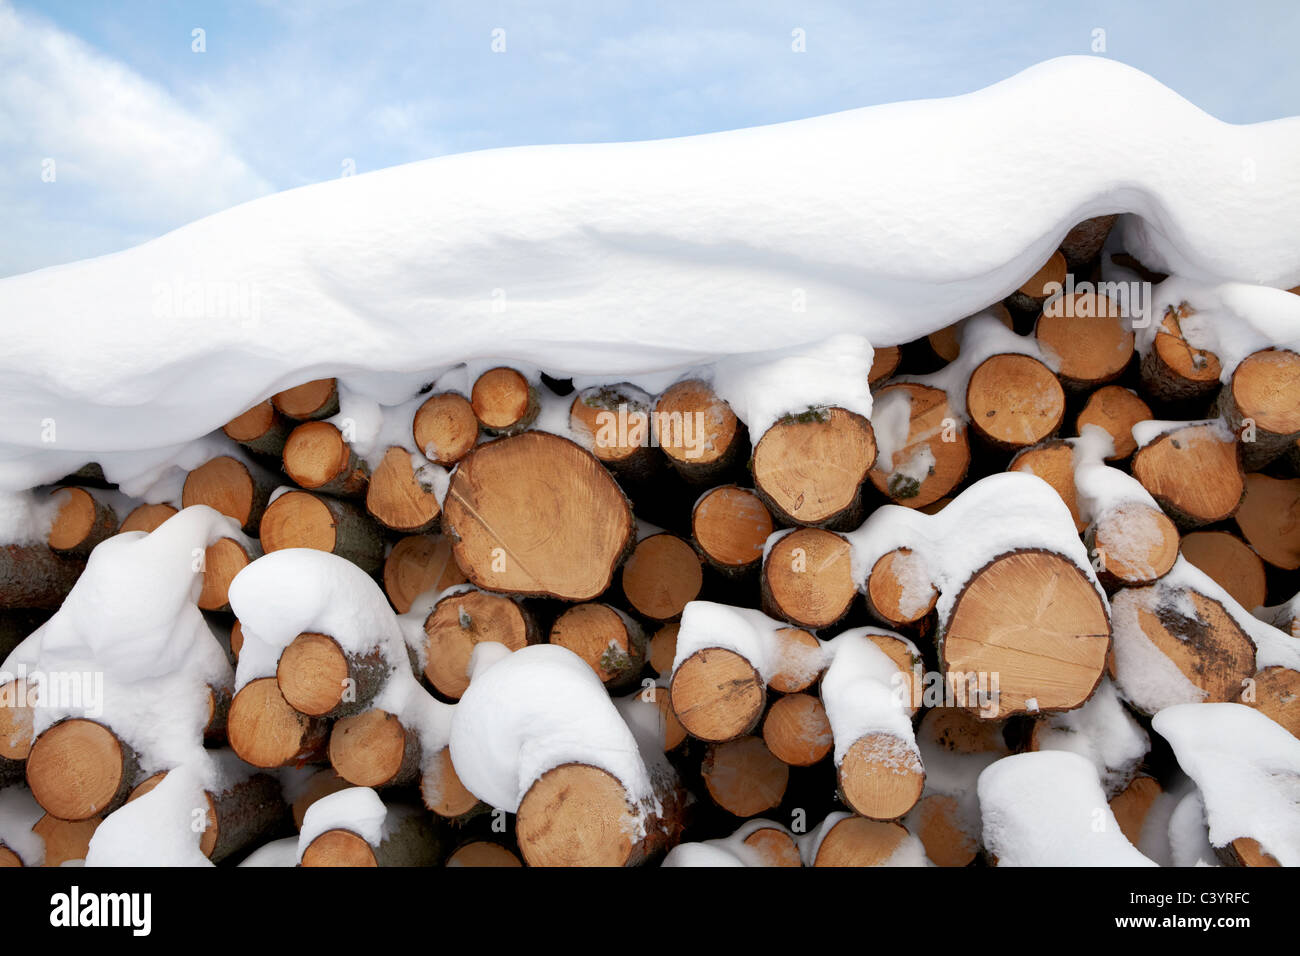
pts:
[146, 518]
[1135, 544]
[697, 430]
[1116, 410]
[1033, 619]
[881, 776]
[899, 588]
[1230, 563]
[77, 770]
[461, 621]
[16, 719]
[799, 660]
[857, 841]
[445, 428]
[717, 695]
[808, 578]
[1269, 519]
[935, 455]
[339, 847]
[317, 458]
[796, 730]
[537, 514]
[65, 840]
[312, 674]
[483, 853]
[1089, 335]
[743, 777]
[265, 731]
[730, 526]
[503, 400]
[1014, 401]
[371, 749]
[577, 815]
[419, 563]
[311, 400]
[1193, 473]
[612, 646]
[1053, 461]
[224, 483]
[809, 468]
[947, 840]
[662, 576]
[222, 560]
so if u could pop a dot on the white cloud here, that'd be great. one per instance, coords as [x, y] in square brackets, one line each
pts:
[122, 150]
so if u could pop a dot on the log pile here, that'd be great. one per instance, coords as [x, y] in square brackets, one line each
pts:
[831, 629]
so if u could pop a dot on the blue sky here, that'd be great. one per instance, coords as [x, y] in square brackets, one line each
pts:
[113, 129]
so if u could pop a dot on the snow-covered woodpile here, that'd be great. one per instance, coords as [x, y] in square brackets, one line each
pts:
[1017, 589]
[1018, 615]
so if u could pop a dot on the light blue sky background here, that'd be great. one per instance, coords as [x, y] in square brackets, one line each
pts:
[146, 135]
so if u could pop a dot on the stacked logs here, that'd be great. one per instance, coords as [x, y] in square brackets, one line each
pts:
[1176, 481]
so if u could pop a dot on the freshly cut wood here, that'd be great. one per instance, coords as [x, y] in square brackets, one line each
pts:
[81, 522]
[445, 428]
[774, 847]
[537, 514]
[1269, 519]
[460, 621]
[1053, 461]
[884, 363]
[265, 731]
[261, 429]
[1194, 473]
[939, 827]
[236, 639]
[65, 840]
[483, 853]
[881, 776]
[1132, 544]
[444, 794]
[1261, 404]
[146, 518]
[36, 576]
[1039, 287]
[1276, 693]
[1245, 851]
[857, 841]
[374, 749]
[1033, 618]
[612, 643]
[730, 525]
[1083, 243]
[697, 431]
[1014, 401]
[317, 458]
[809, 468]
[410, 839]
[618, 420]
[17, 714]
[1230, 563]
[419, 563]
[311, 400]
[232, 488]
[1089, 334]
[8, 858]
[796, 730]
[78, 769]
[662, 575]
[1196, 634]
[320, 679]
[933, 459]
[298, 519]
[222, 560]
[662, 649]
[717, 695]
[899, 590]
[319, 785]
[399, 498]
[503, 401]
[946, 343]
[579, 815]
[1172, 370]
[1115, 409]
[1132, 804]
[911, 668]
[239, 815]
[808, 578]
[744, 777]
[799, 661]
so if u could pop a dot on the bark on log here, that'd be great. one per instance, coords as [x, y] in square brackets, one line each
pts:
[35, 576]
[261, 429]
[298, 519]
